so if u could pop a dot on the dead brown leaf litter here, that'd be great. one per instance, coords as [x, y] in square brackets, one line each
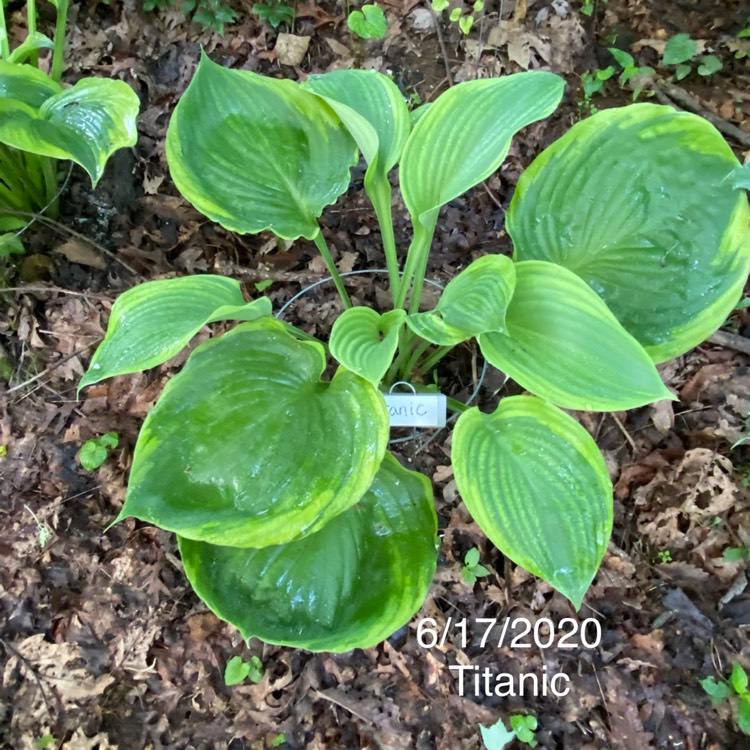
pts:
[104, 645]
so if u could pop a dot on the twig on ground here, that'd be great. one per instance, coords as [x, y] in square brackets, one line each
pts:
[622, 429]
[443, 50]
[669, 93]
[492, 195]
[730, 341]
[49, 369]
[62, 228]
[35, 289]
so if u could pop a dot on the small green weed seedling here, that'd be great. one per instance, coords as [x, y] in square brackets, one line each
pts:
[369, 23]
[274, 12]
[680, 50]
[471, 569]
[457, 15]
[94, 452]
[209, 14]
[522, 727]
[737, 554]
[41, 122]
[735, 689]
[639, 74]
[238, 670]
[278, 740]
[294, 520]
[588, 6]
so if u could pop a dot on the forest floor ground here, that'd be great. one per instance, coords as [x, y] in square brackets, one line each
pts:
[102, 642]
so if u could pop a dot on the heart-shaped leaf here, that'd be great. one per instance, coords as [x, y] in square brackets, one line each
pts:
[26, 83]
[365, 341]
[538, 486]
[276, 156]
[349, 585]
[85, 123]
[679, 48]
[562, 343]
[369, 23]
[474, 302]
[248, 447]
[151, 322]
[466, 134]
[652, 222]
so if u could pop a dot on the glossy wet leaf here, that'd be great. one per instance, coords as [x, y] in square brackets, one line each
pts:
[26, 83]
[248, 447]
[473, 302]
[740, 177]
[365, 342]
[562, 343]
[276, 155]
[152, 321]
[652, 222]
[349, 585]
[86, 123]
[537, 485]
[374, 97]
[465, 135]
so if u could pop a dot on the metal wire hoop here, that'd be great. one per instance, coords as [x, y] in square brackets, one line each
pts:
[327, 279]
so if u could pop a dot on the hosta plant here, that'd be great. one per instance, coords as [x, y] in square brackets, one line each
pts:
[294, 520]
[41, 121]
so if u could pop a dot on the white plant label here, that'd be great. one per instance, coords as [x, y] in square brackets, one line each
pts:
[416, 409]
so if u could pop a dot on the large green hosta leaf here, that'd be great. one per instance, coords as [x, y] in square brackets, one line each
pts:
[151, 322]
[26, 83]
[466, 134]
[257, 153]
[474, 302]
[562, 343]
[638, 202]
[85, 123]
[538, 486]
[349, 585]
[248, 447]
[378, 101]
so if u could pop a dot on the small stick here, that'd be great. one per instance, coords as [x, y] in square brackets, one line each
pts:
[47, 370]
[72, 232]
[59, 290]
[730, 341]
[668, 93]
[621, 426]
[443, 50]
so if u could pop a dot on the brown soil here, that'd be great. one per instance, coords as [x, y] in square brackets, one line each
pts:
[103, 643]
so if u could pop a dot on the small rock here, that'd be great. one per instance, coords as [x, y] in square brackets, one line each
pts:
[291, 49]
[422, 19]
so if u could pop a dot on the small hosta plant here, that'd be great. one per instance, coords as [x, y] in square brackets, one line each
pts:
[294, 520]
[42, 121]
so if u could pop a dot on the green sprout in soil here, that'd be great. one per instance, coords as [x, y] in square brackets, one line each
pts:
[94, 452]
